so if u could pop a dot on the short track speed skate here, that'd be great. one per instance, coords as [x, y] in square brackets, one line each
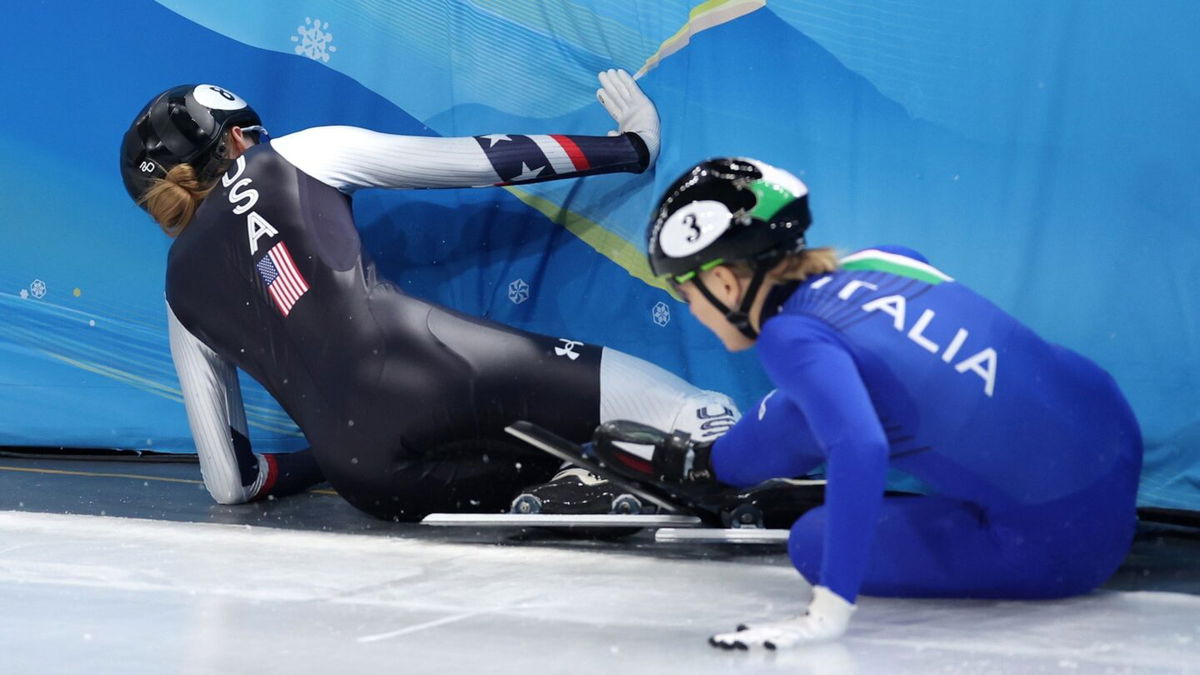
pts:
[578, 500]
[577, 503]
[759, 515]
[775, 503]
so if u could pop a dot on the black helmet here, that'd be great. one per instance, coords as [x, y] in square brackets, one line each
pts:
[726, 210]
[186, 123]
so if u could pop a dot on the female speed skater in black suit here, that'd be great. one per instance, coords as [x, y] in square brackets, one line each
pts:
[403, 402]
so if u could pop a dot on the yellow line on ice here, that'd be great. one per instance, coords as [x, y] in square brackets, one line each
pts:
[98, 474]
[135, 476]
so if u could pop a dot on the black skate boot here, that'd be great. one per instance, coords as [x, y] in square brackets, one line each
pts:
[576, 491]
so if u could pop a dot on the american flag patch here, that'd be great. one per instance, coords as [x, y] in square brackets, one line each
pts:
[284, 282]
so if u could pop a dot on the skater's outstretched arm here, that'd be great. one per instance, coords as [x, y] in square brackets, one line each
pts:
[820, 376]
[772, 440]
[232, 471]
[815, 373]
[350, 158]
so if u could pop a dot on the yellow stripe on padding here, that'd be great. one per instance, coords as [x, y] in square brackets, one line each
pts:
[607, 244]
[256, 416]
[702, 17]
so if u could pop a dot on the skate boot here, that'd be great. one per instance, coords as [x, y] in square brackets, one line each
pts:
[576, 491]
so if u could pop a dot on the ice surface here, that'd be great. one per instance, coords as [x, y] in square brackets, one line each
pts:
[120, 595]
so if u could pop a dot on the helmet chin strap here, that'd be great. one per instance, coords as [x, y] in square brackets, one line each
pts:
[740, 318]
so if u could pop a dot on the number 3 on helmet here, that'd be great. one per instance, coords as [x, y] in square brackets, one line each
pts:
[726, 210]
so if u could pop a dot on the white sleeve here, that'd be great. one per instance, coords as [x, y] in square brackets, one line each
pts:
[634, 389]
[348, 158]
[213, 399]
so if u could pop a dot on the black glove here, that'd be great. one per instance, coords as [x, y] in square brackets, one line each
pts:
[677, 459]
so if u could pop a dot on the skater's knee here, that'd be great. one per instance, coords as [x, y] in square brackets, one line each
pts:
[1068, 550]
[805, 543]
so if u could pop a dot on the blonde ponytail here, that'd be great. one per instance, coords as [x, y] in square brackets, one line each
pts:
[796, 266]
[807, 263]
[173, 200]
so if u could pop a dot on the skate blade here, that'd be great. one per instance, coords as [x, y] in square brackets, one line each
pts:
[721, 535]
[558, 520]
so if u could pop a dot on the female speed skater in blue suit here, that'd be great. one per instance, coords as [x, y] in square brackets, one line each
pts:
[1029, 451]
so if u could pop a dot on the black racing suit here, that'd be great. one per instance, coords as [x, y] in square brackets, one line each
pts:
[404, 403]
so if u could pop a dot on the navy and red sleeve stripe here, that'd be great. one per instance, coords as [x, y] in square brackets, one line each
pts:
[526, 159]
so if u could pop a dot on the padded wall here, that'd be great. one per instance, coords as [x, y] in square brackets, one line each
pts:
[1043, 153]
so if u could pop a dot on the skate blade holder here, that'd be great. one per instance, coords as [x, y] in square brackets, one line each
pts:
[721, 535]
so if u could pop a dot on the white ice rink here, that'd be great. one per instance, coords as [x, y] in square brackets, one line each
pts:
[94, 594]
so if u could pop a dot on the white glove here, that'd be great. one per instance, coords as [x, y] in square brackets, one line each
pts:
[632, 109]
[827, 617]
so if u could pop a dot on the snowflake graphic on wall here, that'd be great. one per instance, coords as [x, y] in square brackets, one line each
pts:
[661, 314]
[313, 40]
[38, 288]
[518, 291]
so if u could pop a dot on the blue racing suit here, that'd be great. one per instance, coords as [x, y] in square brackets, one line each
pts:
[1030, 452]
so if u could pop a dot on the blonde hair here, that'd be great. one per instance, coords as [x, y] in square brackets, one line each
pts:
[807, 263]
[795, 266]
[172, 201]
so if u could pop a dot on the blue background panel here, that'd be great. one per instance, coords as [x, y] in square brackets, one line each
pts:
[1042, 153]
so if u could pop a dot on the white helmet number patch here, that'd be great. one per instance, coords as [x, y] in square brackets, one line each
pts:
[212, 96]
[693, 227]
